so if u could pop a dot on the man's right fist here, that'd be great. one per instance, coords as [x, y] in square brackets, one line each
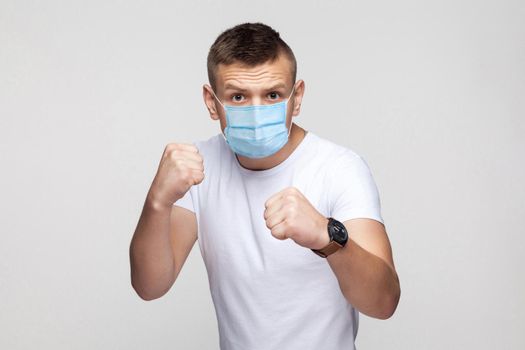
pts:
[181, 167]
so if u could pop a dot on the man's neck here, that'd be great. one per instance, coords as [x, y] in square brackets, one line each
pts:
[297, 134]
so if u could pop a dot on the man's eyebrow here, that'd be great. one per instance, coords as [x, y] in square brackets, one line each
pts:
[230, 86]
[277, 86]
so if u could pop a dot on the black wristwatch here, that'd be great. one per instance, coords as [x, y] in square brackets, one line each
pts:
[338, 238]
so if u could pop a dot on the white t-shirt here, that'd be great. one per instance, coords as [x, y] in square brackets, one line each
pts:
[270, 293]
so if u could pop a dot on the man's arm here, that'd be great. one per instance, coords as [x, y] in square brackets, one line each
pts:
[365, 269]
[364, 266]
[165, 232]
[160, 245]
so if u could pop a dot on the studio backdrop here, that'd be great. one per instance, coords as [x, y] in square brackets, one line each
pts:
[429, 93]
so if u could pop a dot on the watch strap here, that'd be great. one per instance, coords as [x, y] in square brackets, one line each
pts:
[330, 248]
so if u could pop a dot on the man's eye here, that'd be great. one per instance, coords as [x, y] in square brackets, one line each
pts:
[273, 95]
[238, 98]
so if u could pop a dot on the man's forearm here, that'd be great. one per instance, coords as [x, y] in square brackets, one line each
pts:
[151, 257]
[367, 281]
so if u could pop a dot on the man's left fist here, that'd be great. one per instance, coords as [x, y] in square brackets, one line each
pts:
[289, 214]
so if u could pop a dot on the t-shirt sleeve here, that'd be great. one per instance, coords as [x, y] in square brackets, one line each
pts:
[186, 201]
[354, 193]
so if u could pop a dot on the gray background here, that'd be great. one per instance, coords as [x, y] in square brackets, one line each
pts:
[431, 94]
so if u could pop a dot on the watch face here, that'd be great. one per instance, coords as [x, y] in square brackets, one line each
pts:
[339, 232]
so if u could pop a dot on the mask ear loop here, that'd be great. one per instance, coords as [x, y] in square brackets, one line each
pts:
[213, 92]
[288, 99]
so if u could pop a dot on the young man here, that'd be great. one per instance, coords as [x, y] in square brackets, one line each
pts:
[288, 223]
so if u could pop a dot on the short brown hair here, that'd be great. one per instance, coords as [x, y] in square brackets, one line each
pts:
[248, 43]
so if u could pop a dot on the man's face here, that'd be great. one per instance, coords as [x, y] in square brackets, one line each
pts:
[240, 85]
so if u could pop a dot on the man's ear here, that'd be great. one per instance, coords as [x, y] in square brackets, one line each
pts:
[298, 97]
[210, 101]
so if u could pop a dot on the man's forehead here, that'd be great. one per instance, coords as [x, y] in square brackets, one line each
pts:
[239, 75]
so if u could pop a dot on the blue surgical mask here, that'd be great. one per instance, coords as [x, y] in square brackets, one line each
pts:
[256, 131]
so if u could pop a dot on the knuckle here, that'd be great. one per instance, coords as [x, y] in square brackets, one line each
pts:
[172, 147]
[290, 198]
[178, 163]
[173, 153]
[293, 190]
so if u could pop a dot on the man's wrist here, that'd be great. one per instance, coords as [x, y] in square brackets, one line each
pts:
[324, 236]
[157, 205]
